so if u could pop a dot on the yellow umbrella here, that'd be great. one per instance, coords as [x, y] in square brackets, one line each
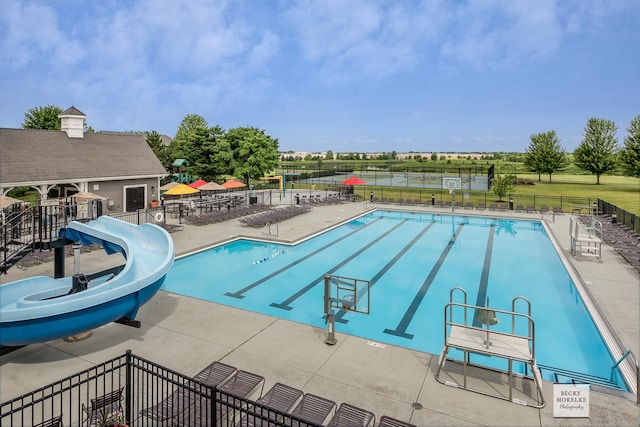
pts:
[181, 190]
[6, 201]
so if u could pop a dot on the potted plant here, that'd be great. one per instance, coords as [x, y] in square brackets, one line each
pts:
[154, 203]
[116, 420]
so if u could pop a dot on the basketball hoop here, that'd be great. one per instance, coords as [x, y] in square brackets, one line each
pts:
[345, 294]
[452, 186]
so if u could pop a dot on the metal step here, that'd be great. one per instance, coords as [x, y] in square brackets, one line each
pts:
[577, 377]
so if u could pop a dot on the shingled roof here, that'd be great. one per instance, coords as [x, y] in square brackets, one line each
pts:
[44, 156]
[72, 111]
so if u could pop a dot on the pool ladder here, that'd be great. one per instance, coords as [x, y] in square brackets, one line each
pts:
[635, 361]
[270, 230]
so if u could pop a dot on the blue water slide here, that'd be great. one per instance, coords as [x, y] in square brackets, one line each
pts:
[40, 308]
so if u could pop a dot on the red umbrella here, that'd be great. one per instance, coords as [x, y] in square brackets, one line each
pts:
[354, 180]
[198, 183]
[232, 183]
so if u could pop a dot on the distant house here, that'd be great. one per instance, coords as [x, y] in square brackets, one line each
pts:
[118, 166]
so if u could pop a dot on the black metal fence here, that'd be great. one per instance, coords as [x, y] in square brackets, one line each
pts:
[622, 217]
[139, 384]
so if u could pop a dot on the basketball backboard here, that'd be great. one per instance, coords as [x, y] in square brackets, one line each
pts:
[346, 293]
[452, 183]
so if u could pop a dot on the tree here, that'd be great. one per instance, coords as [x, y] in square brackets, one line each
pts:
[598, 150]
[42, 118]
[154, 139]
[254, 152]
[434, 157]
[630, 154]
[215, 155]
[502, 185]
[190, 126]
[545, 154]
[329, 155]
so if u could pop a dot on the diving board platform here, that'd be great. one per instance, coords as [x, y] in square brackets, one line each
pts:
[486, 331]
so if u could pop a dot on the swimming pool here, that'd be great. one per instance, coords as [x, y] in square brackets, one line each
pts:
[412, 260]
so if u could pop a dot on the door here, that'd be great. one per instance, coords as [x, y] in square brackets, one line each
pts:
[134, 199]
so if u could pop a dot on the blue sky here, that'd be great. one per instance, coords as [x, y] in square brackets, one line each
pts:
[343, 75]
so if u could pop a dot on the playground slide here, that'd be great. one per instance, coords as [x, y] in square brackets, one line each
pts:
[39, 309]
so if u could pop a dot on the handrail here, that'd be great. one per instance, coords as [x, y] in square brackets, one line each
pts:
[513, 308]
[266, 231]
[624, 356]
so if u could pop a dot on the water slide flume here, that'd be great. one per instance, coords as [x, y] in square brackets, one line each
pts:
[39, 309]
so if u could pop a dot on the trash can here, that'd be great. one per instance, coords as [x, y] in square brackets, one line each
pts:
[253, 200]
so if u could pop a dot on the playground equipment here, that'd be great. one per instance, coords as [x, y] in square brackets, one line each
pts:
[181, 172]
[282, 181]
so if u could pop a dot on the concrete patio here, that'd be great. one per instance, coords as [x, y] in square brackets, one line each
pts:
[186, 334]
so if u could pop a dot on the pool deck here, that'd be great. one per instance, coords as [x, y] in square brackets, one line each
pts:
[186, 334]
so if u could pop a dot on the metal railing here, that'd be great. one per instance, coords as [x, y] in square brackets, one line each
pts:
[622, 216]
[144, 384]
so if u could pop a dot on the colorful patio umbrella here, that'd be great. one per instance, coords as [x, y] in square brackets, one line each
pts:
[354, 180]
[232, 183]
[197, 184]
[6, 201]
[87, 195]
[168, 186]
[211, 186]
[181, 190]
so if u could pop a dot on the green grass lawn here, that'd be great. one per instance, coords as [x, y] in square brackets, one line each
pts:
[623, 192]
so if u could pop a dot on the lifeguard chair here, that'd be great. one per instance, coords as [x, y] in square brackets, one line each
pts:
[486, 331]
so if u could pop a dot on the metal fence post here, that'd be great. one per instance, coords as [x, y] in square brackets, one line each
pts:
[128, 385]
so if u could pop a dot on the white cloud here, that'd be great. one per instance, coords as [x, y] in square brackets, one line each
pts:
[348, 39]
[502, 34]
[29, 30]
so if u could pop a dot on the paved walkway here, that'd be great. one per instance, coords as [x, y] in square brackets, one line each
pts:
[186, 334]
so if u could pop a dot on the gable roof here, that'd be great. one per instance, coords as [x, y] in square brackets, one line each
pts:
[72, 111]
[42, 156]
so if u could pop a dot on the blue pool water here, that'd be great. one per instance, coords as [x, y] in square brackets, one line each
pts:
[412, 261]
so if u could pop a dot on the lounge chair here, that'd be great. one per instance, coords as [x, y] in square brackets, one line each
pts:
[531, 209]
[170, 227]
[557, 210]
[519, 208]
[280, 398]
[468, 205]
[481, 206]
[313, 409]
[392, 422]
[103, 408]
[349, 415]
[181, 399]
[493, 207]
[53, 422]
[231, 395]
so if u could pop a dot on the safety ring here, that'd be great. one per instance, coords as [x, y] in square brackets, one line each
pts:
[159, 216]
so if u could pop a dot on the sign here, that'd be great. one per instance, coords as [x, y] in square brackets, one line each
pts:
[570, 401]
